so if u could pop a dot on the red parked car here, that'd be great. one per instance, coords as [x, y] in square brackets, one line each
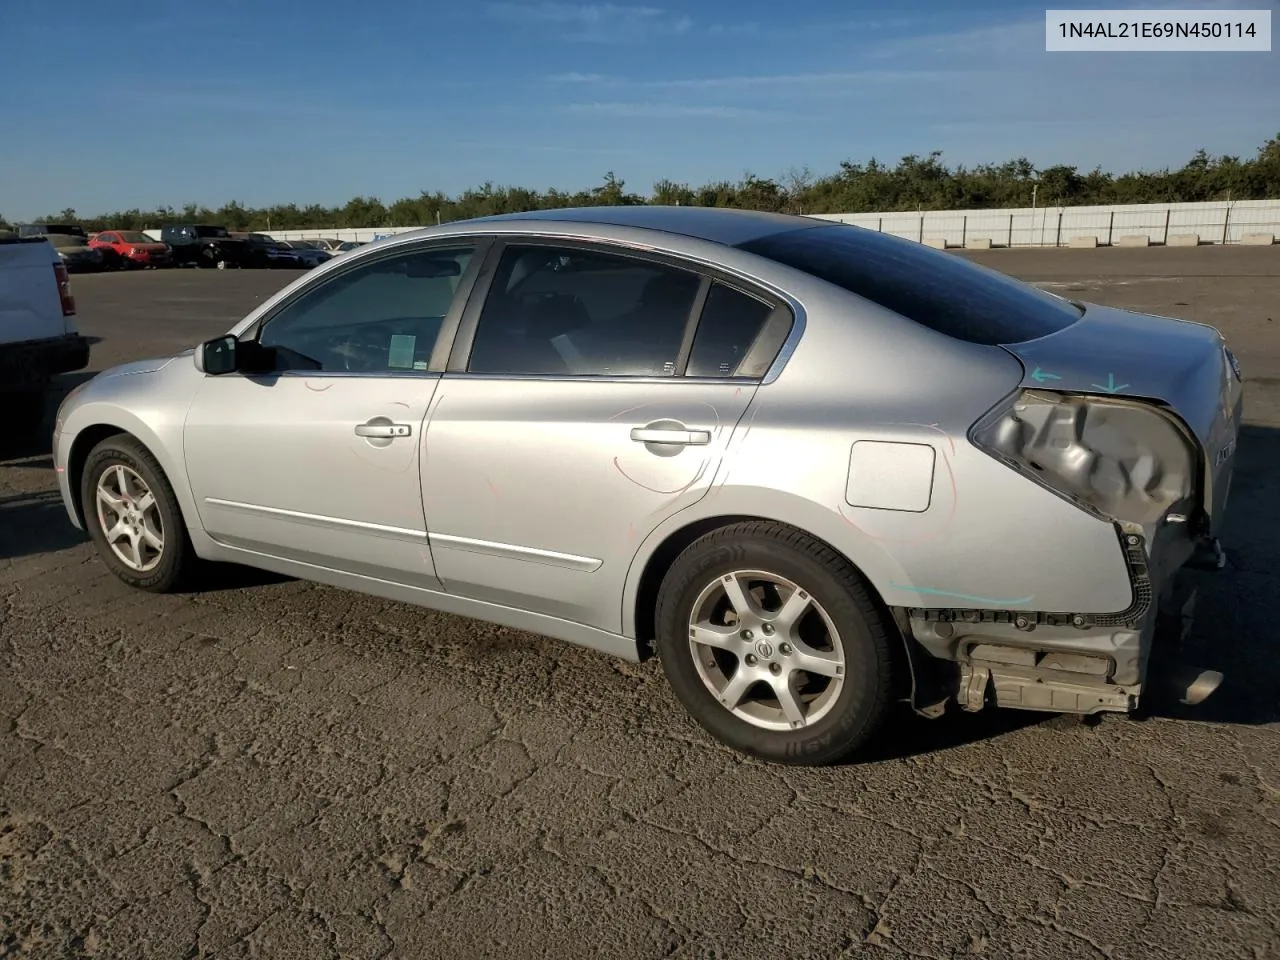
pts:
[132, 248]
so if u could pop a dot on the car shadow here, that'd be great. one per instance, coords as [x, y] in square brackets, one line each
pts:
[41, 440]
[36, 522]
[1237, 608]
[221, 577]
[33, 523]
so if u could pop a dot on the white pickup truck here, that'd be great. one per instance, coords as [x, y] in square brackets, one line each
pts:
[38, 337]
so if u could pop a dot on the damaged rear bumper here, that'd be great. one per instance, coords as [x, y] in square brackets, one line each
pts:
[1063, 662]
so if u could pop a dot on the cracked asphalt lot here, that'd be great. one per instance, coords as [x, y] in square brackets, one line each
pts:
[275, 769]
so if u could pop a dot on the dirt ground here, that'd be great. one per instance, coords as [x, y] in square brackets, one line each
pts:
[276, 769]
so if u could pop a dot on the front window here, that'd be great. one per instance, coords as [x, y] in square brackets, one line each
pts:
[938, 290]
[211, 232]
[130, 236]
[379, 317]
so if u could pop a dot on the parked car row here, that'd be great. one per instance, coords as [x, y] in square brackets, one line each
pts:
[181, 245]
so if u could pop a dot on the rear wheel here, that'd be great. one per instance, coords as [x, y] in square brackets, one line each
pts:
[774, 644]
[133, 516]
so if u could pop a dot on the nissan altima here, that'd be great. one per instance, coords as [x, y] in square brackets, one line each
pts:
[814, 469]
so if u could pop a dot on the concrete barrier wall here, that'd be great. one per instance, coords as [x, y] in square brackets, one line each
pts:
[1161, 223]
[1059, 226]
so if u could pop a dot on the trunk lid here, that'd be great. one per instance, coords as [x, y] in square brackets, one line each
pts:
[1183, 365]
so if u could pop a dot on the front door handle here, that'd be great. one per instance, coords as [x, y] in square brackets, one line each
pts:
[670, 435]
[383, 429]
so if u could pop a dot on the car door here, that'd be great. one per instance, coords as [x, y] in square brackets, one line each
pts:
[579, 411]
[317, 461]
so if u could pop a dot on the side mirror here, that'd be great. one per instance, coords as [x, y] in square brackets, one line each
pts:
[216, 357]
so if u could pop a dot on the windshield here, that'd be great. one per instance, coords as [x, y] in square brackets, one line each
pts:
[212, 232]
[62, 240]
[134, 236]
[938, 290]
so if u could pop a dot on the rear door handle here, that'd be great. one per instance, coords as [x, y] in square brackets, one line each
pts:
[382, 428]
[670, 435]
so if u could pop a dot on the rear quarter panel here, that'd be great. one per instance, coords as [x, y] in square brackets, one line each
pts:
[988, 538]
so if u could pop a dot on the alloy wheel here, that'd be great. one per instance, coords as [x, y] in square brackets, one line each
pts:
[766, 650]
[129, 517]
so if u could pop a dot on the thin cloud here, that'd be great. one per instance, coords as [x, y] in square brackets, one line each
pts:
[544, 148]
[746, 29]
[594, 78]
[668, 111]
[792, 80]
[799, 79]
[591, 22]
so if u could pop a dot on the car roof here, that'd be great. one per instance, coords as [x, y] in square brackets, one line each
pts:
[715, 224]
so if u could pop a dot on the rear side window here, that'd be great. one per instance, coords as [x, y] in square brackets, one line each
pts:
[730, 322]
[572, 312]
[938, 290]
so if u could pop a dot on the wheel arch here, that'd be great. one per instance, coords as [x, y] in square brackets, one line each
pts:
[97, 422]
[664, 545]
[81, 446]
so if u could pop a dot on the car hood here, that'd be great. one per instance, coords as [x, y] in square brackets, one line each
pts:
[136, 367]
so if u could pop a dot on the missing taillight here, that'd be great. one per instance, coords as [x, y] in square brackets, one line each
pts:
[64, 290]
[1121, 459]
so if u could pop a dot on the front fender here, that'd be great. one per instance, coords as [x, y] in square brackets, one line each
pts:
[151, 407]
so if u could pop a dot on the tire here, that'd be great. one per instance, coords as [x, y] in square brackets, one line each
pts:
[175, 561]
[845, 708]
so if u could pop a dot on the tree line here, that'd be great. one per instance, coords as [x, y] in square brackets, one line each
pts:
[914, 183]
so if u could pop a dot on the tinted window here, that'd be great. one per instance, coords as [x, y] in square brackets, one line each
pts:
[578, 313]
[729, 325]
[378, 317]
[939, 290]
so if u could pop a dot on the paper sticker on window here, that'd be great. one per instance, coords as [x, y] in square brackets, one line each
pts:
[400, 352]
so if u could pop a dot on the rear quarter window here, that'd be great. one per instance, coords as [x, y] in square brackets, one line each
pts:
[938, 290]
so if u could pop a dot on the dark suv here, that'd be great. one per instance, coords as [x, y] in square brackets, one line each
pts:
[265, 251]
[203, 245]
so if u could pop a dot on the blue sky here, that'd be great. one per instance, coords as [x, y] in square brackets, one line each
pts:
[112, 105]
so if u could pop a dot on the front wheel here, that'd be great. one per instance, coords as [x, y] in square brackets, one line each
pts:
[133, 516]
[774, 644]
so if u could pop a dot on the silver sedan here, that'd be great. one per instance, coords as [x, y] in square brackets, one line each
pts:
[814, 469]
